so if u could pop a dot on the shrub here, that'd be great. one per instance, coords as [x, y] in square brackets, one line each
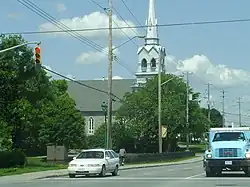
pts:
[10, 159]
[152, 157]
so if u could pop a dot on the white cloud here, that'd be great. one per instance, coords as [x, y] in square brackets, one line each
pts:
[92, 57]
[61, 7]
[203, 68]
[14, 15]
[92, 21]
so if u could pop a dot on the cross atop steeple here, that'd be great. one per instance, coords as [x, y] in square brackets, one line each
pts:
[152, 30]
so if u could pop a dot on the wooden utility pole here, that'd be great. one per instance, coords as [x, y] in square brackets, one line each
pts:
[208, 101]
[187, 113]
[159, 103]
[110, 61]
[223, 108]
[239, 103]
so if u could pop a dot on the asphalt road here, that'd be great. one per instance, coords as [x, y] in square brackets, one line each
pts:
[188, 175]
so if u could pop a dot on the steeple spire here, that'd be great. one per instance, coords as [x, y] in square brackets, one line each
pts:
[152, 31]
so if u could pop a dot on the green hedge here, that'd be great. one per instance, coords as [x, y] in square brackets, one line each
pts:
[155, 157]
[10, 159]
[152, 157]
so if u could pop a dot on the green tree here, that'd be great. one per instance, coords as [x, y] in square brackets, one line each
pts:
[62, 123]
[20, 83]
[215, 117]
[140, 111]
[34, 111]
[121, 137]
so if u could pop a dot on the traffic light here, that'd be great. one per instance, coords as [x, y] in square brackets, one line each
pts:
[38, 55]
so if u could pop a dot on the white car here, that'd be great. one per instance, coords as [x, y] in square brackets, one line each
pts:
[94, 161]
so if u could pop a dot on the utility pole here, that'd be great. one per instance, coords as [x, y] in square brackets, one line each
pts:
[239, 102]
[110, 61]
[187, 113]
[223, 108]
[208, 101]
[159, 103]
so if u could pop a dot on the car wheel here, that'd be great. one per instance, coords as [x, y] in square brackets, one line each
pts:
[72, 176]
[103, 172]
[115, 172]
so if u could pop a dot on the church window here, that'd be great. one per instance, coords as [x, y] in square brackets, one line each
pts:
[91, 125]
[153, 64]
[144, 65]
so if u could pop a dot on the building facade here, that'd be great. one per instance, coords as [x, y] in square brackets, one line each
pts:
[150, 61]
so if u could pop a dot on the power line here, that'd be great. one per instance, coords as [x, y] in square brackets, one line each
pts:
[123, 2]
[64, 28]
[78, 82]
[129, 27]
[34, 8]
[105, 10]
[237, 114]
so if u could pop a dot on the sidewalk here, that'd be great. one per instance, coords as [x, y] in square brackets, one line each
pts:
[63, 172]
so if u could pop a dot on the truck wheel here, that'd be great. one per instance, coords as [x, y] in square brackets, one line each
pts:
[209, 172]
[247, 171]
[219, 173]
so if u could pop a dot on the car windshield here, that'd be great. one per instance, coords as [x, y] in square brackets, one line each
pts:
[229, 136]
[91, 155]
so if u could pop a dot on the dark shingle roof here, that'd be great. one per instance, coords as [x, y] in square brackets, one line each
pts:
[90, 100]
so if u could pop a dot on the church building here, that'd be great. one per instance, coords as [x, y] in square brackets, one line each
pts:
[151, 58]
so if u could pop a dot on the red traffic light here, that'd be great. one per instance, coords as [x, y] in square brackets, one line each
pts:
[37, 55]
[37, 49]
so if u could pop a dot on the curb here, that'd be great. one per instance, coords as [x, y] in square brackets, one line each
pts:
[123, 169]
[162, 165]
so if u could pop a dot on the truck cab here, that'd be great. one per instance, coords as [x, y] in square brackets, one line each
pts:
[228, 150]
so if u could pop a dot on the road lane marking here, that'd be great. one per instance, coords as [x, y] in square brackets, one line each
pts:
[149, 179]
[187, 168]
[197, 175]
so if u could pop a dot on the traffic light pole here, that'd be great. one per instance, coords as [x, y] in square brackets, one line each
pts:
[20, 45]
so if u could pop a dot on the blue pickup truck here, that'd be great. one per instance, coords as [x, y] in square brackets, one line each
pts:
[228, 150]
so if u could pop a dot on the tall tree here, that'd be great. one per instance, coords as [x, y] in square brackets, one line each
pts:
[62, 124]
[19, 83]
[140, 111]
[215, 117]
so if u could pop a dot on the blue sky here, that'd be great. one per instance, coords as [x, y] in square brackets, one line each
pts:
[214, 45]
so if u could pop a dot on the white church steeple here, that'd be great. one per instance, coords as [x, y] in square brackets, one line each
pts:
[151, 56]
[152, 30]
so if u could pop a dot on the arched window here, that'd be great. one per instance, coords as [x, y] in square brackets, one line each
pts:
[144, 65]
[153, 64]
[91, 125]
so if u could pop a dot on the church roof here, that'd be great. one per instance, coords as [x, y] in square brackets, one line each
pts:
[90, 100]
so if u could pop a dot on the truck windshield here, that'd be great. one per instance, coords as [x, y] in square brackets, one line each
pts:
[229, 136]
